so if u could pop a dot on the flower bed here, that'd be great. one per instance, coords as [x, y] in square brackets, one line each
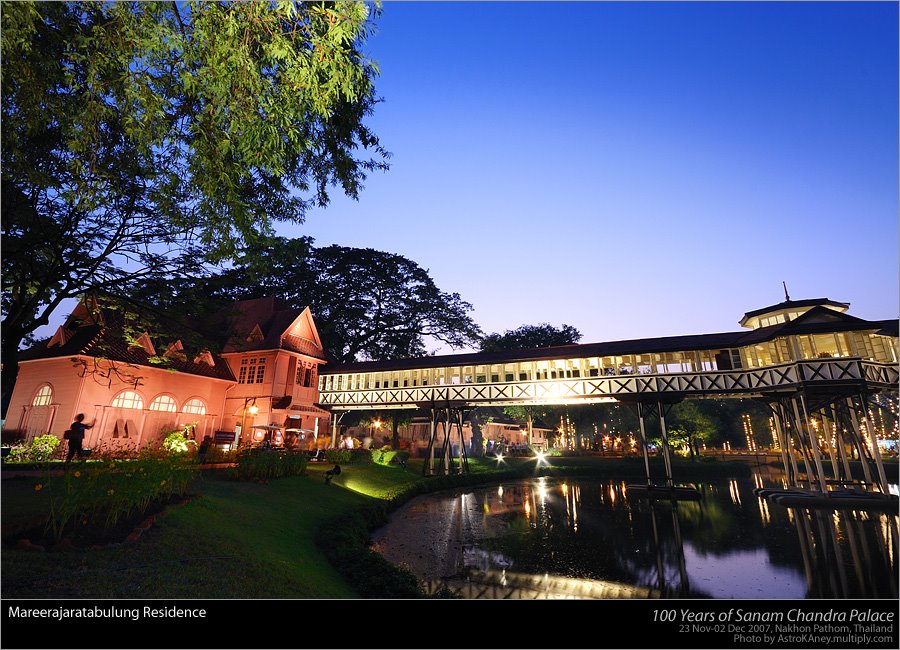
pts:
[100, 494]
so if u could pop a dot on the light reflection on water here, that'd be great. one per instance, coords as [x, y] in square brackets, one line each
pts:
[730, 544]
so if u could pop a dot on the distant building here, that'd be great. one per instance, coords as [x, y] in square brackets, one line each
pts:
[496, 428]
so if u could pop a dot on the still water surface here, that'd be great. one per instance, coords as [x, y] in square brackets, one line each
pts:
[576, 534]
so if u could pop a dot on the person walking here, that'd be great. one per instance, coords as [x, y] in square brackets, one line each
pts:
[76, 436]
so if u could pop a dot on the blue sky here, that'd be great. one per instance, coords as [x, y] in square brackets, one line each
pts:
[635, 169]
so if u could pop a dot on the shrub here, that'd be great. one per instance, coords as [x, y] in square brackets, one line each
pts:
[338, 456]
[217, 455]
[39, 450]
[389, 456]
[350, 456]
[360, 456]
[344, 542]
[263, 464]
[178, 442]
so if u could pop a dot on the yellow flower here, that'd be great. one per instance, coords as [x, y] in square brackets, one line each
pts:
[77, 474]
[38, 487]
[110, 492]
[162, 482]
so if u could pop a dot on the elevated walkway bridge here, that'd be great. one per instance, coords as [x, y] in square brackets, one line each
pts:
[806, 359]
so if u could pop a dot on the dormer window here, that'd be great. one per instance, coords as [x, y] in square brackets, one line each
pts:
[256, 335]
[175, 351]
[61, 337]
[143, 341]
[205, 357]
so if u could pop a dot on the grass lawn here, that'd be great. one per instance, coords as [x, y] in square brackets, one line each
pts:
[250, 540]
[236, 540]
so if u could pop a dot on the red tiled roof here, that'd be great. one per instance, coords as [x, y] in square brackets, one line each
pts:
[105, 339]
[273, 320]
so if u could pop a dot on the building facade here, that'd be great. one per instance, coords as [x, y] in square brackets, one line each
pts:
[134, 390]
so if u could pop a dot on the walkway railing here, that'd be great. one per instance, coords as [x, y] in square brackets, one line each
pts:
[787, 377]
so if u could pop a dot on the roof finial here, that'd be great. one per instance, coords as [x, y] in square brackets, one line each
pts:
[787, 298]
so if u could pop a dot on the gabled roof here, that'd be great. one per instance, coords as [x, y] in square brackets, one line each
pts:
[263, 324]
[100, 338]
[818, 320]
[793, 304]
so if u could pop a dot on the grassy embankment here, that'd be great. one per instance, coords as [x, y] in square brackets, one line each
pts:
[274, 540]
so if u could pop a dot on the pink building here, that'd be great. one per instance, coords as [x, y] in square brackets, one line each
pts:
[136, 390]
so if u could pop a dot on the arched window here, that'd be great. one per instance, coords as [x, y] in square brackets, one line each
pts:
[163, 403]
[128, 399]
[43, 397]
[195, 406]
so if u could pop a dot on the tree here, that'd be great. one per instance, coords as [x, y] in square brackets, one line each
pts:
[542, 335]
[368, 304]
[132, 131]
[689, 425]
[530, 336]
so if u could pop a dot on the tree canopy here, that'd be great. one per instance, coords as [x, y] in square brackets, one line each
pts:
[368, 304]
[690, 425]
[141, 137]
[530, 336]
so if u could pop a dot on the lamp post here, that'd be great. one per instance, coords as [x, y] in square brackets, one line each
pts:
[253, 408]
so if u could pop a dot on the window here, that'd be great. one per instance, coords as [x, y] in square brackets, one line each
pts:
[43, 397]
[128, 399]
[163, 403]
[195, 406]
[253, 370]
[306, 376]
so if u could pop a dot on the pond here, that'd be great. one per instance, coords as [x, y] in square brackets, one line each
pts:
[543, 538]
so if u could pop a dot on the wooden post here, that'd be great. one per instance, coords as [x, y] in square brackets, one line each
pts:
[428, 466]
[640, 410]
[858, 441]
[876, 455]
[781, 422]
[836, 474]
[839, 435]
[463, 455]
[665, 440]
[814, 444]
[782, 442]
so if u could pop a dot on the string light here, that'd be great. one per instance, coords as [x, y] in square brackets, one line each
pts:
[748, 432]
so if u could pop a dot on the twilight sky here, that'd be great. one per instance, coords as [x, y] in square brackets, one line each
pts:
[635, 169]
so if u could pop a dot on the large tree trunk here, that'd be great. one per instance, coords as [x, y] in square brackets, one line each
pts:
[395, 432]
[9, 349]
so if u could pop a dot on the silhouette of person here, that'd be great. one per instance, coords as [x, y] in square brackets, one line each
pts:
[76, 436]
